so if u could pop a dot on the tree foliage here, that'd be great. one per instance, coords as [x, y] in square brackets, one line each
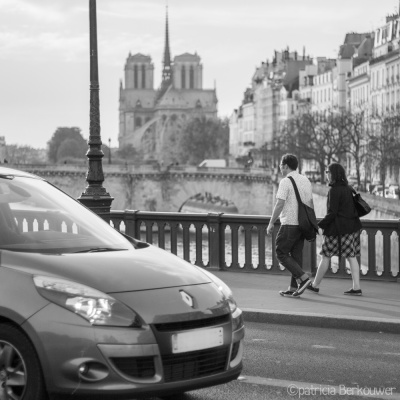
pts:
[16, 154]
[204, 138]
[321, 137]
[69, 150]
[384, 143]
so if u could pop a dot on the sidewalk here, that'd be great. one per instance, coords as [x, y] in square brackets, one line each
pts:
[378, 309]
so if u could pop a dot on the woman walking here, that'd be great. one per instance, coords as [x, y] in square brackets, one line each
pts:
[341, 229]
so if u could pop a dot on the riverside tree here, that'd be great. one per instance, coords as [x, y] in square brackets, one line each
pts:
[75, 147]
[203, 138]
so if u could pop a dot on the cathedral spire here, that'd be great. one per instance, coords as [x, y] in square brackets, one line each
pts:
[167, 71]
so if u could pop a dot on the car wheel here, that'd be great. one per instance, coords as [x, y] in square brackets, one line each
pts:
[21, 375]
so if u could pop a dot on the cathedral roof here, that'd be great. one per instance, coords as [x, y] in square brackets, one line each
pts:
[139, 57]
[187, 57]
[188, 99]
[144, 97]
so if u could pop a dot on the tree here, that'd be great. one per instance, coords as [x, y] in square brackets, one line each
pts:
[69, 149]
[317, 136]
[203, 138]
[354, 124]
[64, 133]
[384, 143]
[16, 154]
[128, 152]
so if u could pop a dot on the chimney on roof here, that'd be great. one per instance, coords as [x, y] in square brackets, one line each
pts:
[304, 52]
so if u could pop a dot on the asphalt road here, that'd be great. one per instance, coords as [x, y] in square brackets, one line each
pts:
[297, 362]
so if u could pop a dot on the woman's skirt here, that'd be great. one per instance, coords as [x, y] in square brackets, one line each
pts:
[350, 243]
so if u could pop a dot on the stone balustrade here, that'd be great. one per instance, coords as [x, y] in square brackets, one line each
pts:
[239, 242]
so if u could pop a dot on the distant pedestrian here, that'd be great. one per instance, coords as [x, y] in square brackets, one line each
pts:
[341, 229]
[290, 241]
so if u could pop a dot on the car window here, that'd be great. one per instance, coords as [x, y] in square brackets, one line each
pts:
[37, 217]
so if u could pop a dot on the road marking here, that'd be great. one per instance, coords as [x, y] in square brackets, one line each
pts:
[299, 389]
[317, 346]
[392, 354]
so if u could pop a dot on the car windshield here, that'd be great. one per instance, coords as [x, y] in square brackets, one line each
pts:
[37, 217]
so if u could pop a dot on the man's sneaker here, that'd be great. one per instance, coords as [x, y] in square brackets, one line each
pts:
[353, 292]
[285, 293]
[312, 288]
[302, 287]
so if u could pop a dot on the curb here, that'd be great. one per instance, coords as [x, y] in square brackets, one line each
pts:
[322, 321]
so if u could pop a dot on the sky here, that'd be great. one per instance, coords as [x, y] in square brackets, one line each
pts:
[44, 51]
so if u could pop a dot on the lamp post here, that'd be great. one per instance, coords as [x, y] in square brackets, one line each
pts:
[109, 150]
[95, 195]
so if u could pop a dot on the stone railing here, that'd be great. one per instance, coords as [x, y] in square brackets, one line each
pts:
[239, 242]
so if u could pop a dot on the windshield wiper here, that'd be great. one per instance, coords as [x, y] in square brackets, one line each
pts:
[98, 250]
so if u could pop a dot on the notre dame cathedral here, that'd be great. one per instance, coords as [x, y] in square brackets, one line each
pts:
[151, 120]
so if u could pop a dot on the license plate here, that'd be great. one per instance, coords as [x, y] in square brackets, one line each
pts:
[197, 340]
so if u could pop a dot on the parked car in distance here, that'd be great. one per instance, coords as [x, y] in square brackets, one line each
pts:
[313, 175]
[377, 190]
[88, 311]
[393, 192]
[215, 163]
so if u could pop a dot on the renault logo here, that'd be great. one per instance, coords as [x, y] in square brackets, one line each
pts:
[187, 298]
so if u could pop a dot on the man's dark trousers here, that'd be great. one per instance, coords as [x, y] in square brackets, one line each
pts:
[289, 251]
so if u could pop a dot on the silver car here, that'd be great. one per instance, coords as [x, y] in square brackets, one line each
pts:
[88, 311]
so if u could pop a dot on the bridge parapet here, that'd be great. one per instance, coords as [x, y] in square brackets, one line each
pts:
[239, 242]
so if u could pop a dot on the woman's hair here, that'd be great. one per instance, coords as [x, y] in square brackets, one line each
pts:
[338, 174]
[290, 160]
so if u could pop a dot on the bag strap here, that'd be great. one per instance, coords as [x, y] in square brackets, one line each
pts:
[296, 190]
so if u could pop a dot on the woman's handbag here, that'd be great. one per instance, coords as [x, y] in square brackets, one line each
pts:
[307, 220]
[360, 204]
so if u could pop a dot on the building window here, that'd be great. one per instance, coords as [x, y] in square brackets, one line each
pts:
[135, 77]
[183, 77]
[138, 122]
[191, 77]
[143, 76]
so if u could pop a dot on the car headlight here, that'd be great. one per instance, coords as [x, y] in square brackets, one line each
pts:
[96, 307]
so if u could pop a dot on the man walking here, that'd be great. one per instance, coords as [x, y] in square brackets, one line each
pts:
[290, 241]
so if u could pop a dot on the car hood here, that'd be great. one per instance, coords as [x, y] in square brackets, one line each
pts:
[113, 271]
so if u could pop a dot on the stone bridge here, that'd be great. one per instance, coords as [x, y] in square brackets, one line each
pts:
[151, 189]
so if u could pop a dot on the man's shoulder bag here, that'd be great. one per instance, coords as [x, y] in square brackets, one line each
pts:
[307, 220]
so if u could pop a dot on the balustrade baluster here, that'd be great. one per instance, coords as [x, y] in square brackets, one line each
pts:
[161, 235]
[235, 247]
[248, 264]
[174, 235]
[186, 242]
[199, 245]
[261, 267]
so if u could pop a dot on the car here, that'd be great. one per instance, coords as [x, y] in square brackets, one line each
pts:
[377, 190]
[86, 311]
[393, 192]
[313, 175]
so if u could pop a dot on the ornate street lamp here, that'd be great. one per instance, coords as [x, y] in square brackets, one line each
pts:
[95, 196]
[109, 150]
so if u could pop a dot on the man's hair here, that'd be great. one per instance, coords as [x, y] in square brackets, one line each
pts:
[338, 174]
[290, 160]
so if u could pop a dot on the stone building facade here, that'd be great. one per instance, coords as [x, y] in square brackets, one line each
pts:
[150, 119]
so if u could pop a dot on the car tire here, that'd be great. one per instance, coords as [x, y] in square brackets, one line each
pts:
[21, 375]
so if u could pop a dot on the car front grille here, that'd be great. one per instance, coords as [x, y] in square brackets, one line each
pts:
[194, 364]
[136, 367]
[195, 324]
